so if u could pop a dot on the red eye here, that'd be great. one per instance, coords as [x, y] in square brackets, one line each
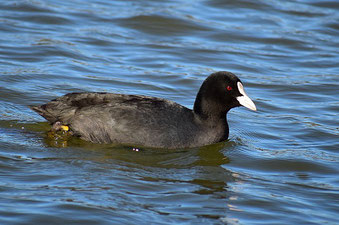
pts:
[229, 88]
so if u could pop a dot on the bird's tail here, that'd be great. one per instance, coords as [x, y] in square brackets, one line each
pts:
[41, 110]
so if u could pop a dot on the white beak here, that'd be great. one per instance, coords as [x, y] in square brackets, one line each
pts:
[244, 100]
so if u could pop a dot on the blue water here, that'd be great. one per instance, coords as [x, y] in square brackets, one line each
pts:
[280, 164]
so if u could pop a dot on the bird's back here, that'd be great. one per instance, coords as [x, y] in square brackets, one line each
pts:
[128, 119]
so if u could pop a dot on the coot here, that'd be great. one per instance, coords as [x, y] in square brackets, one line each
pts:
[148, 121]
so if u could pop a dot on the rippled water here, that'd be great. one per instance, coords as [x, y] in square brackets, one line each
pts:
[280, 165]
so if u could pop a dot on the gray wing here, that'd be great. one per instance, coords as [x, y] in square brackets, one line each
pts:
[150, 121]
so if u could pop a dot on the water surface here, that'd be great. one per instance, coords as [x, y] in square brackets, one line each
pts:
[280, 164]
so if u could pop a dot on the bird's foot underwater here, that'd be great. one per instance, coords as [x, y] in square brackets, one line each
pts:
[59, 135]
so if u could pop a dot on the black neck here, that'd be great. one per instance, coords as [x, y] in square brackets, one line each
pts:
[209, 109]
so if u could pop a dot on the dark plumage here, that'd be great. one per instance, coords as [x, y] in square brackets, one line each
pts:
[149, 121]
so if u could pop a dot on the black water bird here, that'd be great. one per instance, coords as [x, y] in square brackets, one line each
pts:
[148, 121]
